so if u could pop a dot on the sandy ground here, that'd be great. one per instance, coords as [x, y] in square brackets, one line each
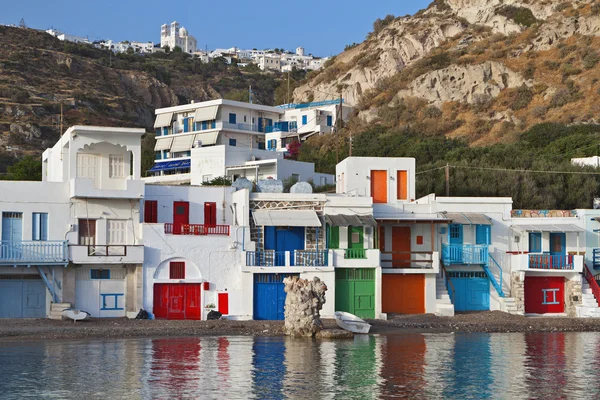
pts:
[495, 321]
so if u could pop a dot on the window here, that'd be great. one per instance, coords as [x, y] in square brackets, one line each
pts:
[87, 232]
[158, 131]
[116, 231]
[177, 270]
[402, 183]
[329, 120]
[261, 145]
[455, 231]
[165, 130]
[39, 229]
[304, 119]
[151, 211]
[323, 181]
[158, 155]
[116, 167]
[100, 274]
[419, 240]
[296, 177]
[355, 237]
[535, 242]
[232, 142]
[483, 234]
[232, 118]
[86, 166]
[245, 118]
[206, 178]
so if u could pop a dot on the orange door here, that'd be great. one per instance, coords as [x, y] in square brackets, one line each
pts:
[401, 247]
[402, 182]
[403, 294]
[379, 186]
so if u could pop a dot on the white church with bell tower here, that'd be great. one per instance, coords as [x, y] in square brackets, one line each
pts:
[172, 35]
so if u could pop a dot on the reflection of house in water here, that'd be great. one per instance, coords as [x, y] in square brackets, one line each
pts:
[403, 364]
[545, 354]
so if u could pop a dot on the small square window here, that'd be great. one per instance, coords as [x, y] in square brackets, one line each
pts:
[177, 270]
[100, 274]
[355, 237]
[419, 240]
[232, 142]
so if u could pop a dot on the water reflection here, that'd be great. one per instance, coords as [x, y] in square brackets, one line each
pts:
[537, 365]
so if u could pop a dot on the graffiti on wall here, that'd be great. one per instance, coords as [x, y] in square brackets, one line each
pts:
[543, 213]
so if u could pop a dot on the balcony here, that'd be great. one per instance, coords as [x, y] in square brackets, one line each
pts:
[547, 262]
[33, 252]
[240, 127]
[411, 260]
[117, 189]
[106, 254]
[356, 258]
[465, 254]
[196, 229]
[296, 258]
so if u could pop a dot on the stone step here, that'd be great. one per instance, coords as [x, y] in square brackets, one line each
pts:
[56, 310]
[443, 301]
[444, 310]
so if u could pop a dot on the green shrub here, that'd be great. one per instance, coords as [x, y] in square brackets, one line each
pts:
[521, 15]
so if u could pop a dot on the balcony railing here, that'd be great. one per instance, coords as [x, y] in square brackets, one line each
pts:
[547, 261]
[298, 258]
[408, 259]
[465, 254]
[355, 254]
[107, 250]
[54, 251]
[196, 229]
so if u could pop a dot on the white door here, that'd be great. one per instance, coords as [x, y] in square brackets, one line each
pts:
[102, 298]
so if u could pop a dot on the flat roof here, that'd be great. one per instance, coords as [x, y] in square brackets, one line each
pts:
[218, 102]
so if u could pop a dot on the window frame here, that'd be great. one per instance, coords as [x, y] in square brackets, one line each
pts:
[116, 166]
[39, 231]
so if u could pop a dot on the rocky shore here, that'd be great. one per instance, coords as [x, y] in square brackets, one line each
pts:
[496, 322]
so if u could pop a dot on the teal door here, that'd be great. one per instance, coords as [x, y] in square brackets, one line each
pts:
[22, 298]
[471, 291]
[455, 234]
[12, 227]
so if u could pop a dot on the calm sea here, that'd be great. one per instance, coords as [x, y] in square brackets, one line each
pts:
[460, 366]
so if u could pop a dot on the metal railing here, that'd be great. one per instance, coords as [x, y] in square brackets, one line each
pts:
[548, 261]
[464, 254]
[196, 229]
[298, 258]
[593, 282]
[497, 285]
[266, 258]
[53, 251]
[97, 250]
[310, 258]
[449, 284]
[596, 258]
[355, 254]
[407, 259]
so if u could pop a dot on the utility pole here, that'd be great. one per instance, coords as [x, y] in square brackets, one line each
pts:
[447, 170]
[287, 100]
[250, 94]
[61, 118]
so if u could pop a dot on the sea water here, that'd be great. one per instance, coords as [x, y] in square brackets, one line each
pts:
[459, 366]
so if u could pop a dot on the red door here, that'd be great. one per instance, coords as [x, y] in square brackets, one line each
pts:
[181, 215]
[193, 309]
[223, 303]
[401, 247]
[177, 301]
[544, 295]
[161, 301]
[210, 214]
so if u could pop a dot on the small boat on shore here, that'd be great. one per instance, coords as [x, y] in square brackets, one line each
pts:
[351, 322]
[75, 314]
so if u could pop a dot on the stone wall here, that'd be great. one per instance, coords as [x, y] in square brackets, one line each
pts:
[303, 303]
[517, 291]
[573, 297]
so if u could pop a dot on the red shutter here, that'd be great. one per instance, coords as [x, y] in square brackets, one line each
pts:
[210, 214]
[151, 211]
[177, 270]
[223, 303]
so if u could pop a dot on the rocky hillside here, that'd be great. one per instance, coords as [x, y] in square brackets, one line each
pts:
[482, 70]
[38, 73]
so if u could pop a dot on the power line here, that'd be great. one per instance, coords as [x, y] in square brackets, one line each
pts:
[533, 171]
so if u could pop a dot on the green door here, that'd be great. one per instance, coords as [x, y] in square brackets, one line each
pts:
[334, 237]
[355, 291]
[356, 237]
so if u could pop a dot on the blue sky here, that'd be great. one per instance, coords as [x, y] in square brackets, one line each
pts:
[323, 27]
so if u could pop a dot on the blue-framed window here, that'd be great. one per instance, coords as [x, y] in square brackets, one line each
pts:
[158, 155]
[186, 124]
[304, 119]
[165, 131]
[329, 120]
[483, 234]
[158, 131]
[261, 145]
[100, 274]
[232, 118]
[39, 229]
[232, 142]
[535, 242]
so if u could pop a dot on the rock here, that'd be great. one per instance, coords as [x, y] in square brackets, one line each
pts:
[242, 183]
[29, 130]
[303, 303]
[301, 187]
[334, 334]
[270, 186]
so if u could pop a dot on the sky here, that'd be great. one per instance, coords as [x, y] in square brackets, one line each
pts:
[322, 27]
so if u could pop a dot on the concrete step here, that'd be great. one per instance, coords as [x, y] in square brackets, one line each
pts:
[56, 310]
[444, 310]
[443, 301]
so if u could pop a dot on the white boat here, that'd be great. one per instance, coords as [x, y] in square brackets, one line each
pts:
[351, 322]
[75, 314]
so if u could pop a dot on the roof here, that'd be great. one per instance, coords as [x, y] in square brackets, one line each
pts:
[548, 228]
[468, 218]
[194, 106]
[410, 217]
[286, 218]
[350, 220]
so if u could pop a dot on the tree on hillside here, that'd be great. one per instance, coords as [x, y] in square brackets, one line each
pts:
[28, 169]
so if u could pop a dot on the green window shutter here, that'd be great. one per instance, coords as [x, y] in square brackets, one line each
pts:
[334, 238]
[356, 233]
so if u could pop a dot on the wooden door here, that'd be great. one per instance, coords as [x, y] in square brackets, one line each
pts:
[176, 305]
[193, 307]
[210, 214]
[181, 215]
[379, 186]
[403, 294]
[87, 232]
[401, 246]
[223, 303]
[544, 294]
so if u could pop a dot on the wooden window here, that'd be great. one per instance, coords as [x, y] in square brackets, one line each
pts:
[100, 274]
[87, 232]
[535, 242]
[177, 270]
[419, 240]
[116, 231]
[379, 186]
[116, 166]
[402, 182]
[151, 211]
[87, 166]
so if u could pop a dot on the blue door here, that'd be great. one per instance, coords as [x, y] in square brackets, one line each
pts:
[12, 226]
[22, 298]
[282, 239]
[471, 291]
[269, 296]
[558, 244]
[455, 234]
[186, 125]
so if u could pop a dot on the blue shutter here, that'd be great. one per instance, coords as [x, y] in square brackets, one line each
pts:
[304, 120]
[158, 131]
[165, 131]
[232, 118]
[329, 120]
[186, 124]
[535, 242]
[44, 226]
[483, 234]
[35, 228]
[213, 124]
[204, 125]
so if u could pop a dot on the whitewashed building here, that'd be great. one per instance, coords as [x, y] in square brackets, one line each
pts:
[173, 35]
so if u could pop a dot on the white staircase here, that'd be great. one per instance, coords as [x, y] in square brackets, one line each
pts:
[508, 305]
[56, 310]
[444, 307]
[589, 305]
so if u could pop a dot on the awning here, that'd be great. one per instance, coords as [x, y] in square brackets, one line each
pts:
[548, 228]
[350, 220]
[207, 138]
[468, 218]
[163, 144]
[206, 113]
[286, 218]
[170, 165]
[163, 120]
[182, 143]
